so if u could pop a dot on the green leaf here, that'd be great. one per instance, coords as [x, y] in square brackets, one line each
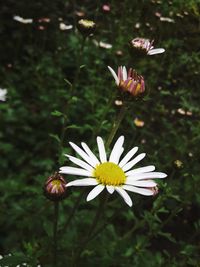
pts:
[13, 260]
[57, 113]
[55, 137]
[68, 82]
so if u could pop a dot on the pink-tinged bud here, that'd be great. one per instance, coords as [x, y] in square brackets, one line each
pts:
[86, 27]
[55, 187]
[106, 8]
[129, 82]
[134, 84]
[145, 46]
[155, 190]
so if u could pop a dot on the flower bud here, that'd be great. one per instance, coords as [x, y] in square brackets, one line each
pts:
[129, 82]
[86, 27]
[144, 46]
[55, 187]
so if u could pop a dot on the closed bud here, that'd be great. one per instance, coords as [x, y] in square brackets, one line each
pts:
[55, 187]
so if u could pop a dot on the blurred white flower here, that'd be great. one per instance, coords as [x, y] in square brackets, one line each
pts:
[65, 27]
[112, 173]
[105, 45]
[166, 19]
[137, 25]
[118, 102]
[3, 93]
[45, 20]
[102, 44]
[22, 20]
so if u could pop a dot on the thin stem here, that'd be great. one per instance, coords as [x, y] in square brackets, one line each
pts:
[55, 230]
[72, 87]
[103, 226]
[116, 124]
[99, 212]
[79, 61]
[106, 110]
[71, 215]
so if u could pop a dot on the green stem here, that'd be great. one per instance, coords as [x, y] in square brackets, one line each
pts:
[71, 215]
[106, 110]
[79, 62]
[116, 125]
[99, 212]
[55, 230]
[72, 86]
[103, 226]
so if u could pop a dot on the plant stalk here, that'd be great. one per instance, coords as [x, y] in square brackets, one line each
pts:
[55, 231]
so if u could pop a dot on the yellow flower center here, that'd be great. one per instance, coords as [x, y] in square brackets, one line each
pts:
[87, 23]
[56, 183]
[109, 173]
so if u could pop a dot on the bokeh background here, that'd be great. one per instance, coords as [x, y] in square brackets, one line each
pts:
[38, 62]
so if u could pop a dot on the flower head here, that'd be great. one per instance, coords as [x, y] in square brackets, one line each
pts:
[3, 93]
[86, 27]
[129, 81]
[55, 187]
[111, 173]
[146, 46]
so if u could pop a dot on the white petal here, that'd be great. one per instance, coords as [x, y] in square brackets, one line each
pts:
[124, 73]
[141, 170]
[110, 189]
[82, 153]
[128, 156]
[119, 155]
[114, 75]
[82, 182]
[117, 150]
[124, 195]
[131, 163]
[101, 148]
[95, 192]
[75, 171]
[142, 176]
[143, 183]
[142, 191]
[80, 163]
[90, 153]
[156, 51]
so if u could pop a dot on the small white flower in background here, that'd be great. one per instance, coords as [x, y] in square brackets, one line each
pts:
[22, 20]
[64, 27]
[129, 81]
[3, 93]
[105, 45]
[102, 44]
[111, 173]
[146, 46]
[166, 19]
[137, 25]
[45, 20]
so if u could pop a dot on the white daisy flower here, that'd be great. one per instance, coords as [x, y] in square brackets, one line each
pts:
[3, 93]
[147, 46]
[111, 173]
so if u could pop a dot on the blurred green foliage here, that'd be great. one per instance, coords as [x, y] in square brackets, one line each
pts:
[38, 66]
